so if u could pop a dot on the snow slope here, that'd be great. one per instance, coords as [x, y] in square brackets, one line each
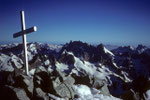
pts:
[86, 93]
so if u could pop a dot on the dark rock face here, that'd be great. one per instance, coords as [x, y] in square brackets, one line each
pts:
[85, 80]
[87, 52]
[128, 67]
[141, 84]
[66, 59]
[52, 59]
[78, 48]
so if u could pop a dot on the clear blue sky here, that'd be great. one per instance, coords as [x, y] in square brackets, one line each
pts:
[93, 21]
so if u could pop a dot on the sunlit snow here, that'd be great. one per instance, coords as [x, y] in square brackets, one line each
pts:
[86, 93]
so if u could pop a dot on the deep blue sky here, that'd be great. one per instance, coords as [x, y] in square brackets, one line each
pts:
[93, 21]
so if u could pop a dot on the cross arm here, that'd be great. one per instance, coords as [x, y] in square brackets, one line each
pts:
[27, 31]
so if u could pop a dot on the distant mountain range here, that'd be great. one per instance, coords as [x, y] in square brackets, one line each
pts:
[76, 71]
[111, 47]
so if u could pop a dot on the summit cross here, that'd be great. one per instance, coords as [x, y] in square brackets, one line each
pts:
[23, 34]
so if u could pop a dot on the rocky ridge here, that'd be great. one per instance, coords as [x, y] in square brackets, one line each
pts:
[76, 71]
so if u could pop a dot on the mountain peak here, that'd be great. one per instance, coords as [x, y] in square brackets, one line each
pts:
[141, 48]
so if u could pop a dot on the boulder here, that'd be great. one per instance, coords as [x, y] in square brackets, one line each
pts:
[55, 83]
[40, 95]
[6, 78]
[6, 63]
[12, 93]
[100, 85]
[26, 83]
[69, 80]
[42, 80]
[65, 90]
[9, 78]
[35, 62]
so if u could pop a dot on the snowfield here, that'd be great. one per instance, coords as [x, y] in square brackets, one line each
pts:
[85, 93]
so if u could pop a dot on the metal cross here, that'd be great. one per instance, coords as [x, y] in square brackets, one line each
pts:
[23, 34]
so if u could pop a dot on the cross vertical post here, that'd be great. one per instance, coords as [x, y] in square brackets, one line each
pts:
[24, 41]
[23, 33]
